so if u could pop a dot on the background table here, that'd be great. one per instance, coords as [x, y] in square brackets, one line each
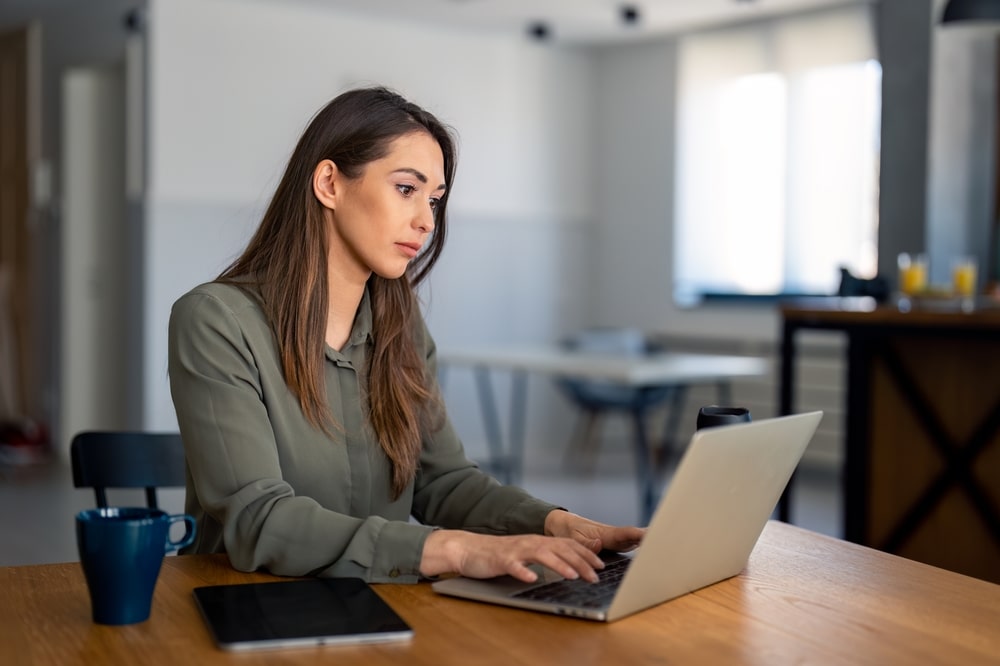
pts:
[804, 598]
[650, 370]
[922, 453]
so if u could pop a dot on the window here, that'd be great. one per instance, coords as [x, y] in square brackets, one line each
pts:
[777, 157]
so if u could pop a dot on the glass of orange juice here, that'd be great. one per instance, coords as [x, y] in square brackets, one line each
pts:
[912, 273]
[963, 281]
[963, 277]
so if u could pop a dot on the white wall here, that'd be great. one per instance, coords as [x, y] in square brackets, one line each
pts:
[233, 84]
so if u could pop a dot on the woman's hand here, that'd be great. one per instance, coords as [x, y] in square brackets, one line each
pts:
[594, 536]
[485, 556]
[569, 548]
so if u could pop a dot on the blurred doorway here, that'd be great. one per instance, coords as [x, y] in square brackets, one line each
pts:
[95, 286]
[18, 375]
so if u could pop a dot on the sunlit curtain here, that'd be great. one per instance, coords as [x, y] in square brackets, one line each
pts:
[777, 155]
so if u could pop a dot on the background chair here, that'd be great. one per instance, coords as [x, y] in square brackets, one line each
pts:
[596, 398]
[104, 460]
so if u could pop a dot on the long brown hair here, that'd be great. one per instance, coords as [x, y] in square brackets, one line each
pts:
[286, 261]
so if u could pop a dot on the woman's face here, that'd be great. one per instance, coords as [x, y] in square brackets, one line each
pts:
[381, 220]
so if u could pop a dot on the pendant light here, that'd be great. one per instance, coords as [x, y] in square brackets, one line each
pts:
[971, 10]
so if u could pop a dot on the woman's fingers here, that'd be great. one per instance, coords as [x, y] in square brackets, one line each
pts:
[522, 572]
[564, 556]
[486, 556]
[567, 565]
[591, 534]
[625, 538]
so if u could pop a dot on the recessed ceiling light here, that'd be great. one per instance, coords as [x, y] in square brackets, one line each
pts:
[539, 30]
[629, 14]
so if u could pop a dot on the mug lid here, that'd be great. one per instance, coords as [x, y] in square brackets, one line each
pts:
[122, 513]
[716, 410]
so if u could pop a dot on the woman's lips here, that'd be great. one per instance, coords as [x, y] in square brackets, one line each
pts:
[409, 249]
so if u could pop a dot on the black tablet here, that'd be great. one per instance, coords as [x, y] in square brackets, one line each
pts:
[314, 611]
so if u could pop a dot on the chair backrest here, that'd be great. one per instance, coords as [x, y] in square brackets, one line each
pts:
[617, 341]
[597, 394]
[147, 460]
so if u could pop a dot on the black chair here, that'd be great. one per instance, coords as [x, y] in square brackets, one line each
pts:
[103, 460]
[596, 398]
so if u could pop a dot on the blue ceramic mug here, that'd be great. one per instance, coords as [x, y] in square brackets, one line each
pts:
[713, 415]
[121, 550]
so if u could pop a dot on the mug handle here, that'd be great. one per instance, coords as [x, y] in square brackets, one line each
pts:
[188, 532]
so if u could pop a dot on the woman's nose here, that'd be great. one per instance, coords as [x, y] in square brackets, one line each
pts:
[425, 221]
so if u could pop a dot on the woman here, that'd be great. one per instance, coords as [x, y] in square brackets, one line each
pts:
[303, 379]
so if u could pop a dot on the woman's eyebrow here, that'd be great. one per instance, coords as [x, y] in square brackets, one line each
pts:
[418, 175]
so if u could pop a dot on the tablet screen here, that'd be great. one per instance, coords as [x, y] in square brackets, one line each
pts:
[314, 611]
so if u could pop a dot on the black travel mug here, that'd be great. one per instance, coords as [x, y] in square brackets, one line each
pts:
[714, 415]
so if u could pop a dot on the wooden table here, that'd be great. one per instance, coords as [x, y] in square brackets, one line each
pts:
[804, 598]
[660, 369]
[922, 452]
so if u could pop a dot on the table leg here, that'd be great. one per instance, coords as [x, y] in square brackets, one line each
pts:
[491, 422]
[644, 473]
[786, 401]
[669, 443]
[725, 393]
[855, 481]
[518, 402]
[505, 463]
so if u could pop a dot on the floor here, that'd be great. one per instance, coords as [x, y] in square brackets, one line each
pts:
[38, 502]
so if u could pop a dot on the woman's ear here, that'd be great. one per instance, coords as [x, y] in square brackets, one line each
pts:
[325, 183]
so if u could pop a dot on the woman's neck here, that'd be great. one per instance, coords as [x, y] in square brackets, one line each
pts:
[345, 297]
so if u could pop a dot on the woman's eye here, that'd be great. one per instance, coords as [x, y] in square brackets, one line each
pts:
[405, 190]
[435, 202]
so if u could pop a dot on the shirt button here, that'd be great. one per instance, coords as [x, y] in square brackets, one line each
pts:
[394, 573]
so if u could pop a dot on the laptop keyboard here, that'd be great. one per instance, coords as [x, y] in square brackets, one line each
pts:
[579, 592]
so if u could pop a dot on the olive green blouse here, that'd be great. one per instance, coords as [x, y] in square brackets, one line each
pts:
[274, 492]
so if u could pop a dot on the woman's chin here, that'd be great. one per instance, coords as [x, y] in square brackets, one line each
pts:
[390, 273]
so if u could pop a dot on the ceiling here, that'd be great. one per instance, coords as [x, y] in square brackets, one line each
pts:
[576, 21]
[567, 21]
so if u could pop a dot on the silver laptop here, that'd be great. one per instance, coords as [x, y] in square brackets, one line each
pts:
[707, 523]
